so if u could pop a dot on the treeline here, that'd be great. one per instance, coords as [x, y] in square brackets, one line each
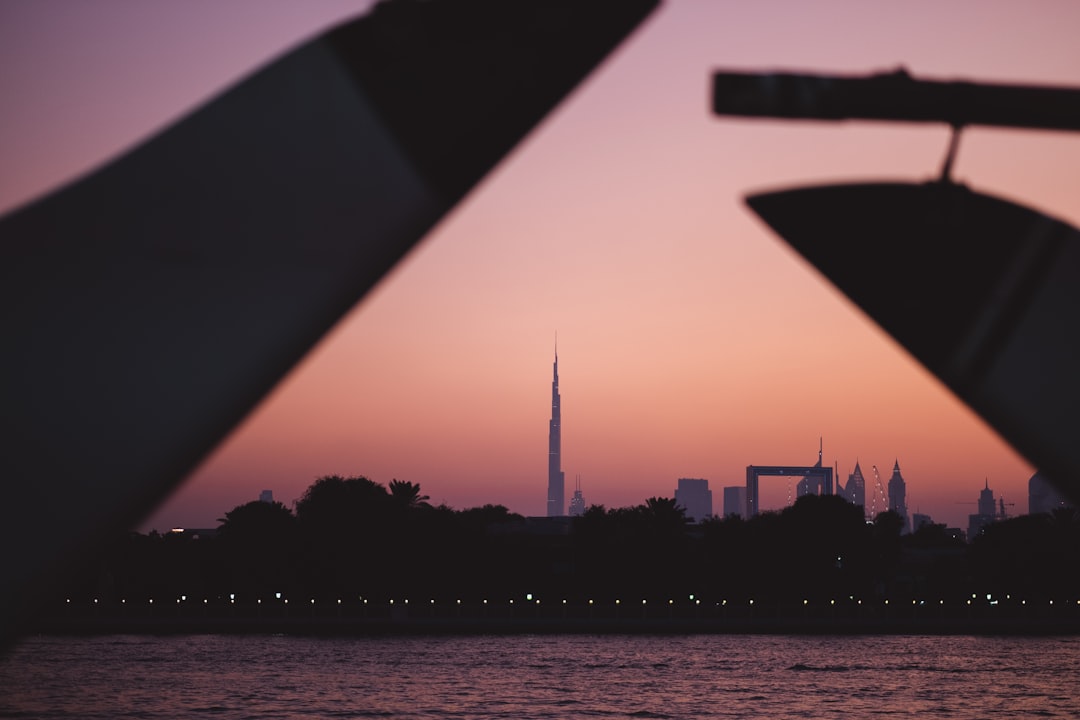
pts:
[355, 538]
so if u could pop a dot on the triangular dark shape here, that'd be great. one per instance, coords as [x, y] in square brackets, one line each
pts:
[982, 291]
[149, 306]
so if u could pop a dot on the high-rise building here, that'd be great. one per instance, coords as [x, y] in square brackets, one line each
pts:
[812, 484]
[987, 512]
[735, 501]
[986, 499]
[694, 496]
[577, 503]
[266, 496]
[556, 504]
[920, 519]
[898, 495]
[855, 489]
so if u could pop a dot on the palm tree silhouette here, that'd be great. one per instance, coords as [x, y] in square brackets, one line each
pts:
[407, 495]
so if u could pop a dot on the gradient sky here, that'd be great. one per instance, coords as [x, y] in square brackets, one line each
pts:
[692, 341]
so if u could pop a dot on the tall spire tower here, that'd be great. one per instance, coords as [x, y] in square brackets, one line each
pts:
[898, 494]
[556, 503]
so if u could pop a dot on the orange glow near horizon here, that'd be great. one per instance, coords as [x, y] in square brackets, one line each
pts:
[692, 341]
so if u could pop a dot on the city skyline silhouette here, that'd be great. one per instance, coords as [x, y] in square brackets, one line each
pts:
[700, 343]
[394, 542]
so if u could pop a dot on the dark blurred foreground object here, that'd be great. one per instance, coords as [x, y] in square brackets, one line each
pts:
[895, 96]
[147, 308]
[984, 292]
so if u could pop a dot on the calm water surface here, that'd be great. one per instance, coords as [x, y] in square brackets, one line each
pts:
[573, 676]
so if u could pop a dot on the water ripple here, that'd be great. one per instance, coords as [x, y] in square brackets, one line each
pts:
[525, 677]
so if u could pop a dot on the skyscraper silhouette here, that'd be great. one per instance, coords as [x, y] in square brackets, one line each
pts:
[811, 484]
[577, 503]
[855, 490]
[898, 494]
[694, 496]
[556, 506]
[986, 499]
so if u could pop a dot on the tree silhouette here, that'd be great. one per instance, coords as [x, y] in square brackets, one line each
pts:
[347, 527]
[257, 522]
[665, 515]
[335, 501]
[352, 538]
[1030, 555]
[258, 548]
[407, 495]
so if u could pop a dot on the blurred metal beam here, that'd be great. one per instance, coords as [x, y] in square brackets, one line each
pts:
[149, 306]
[895, 96]
[983, 291]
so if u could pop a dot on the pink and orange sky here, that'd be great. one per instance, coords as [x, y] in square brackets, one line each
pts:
[692, 341]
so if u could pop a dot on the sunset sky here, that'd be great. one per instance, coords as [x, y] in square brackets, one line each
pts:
[692, 341]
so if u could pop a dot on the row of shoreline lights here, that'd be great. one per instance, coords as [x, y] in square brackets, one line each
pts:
[529, 598]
